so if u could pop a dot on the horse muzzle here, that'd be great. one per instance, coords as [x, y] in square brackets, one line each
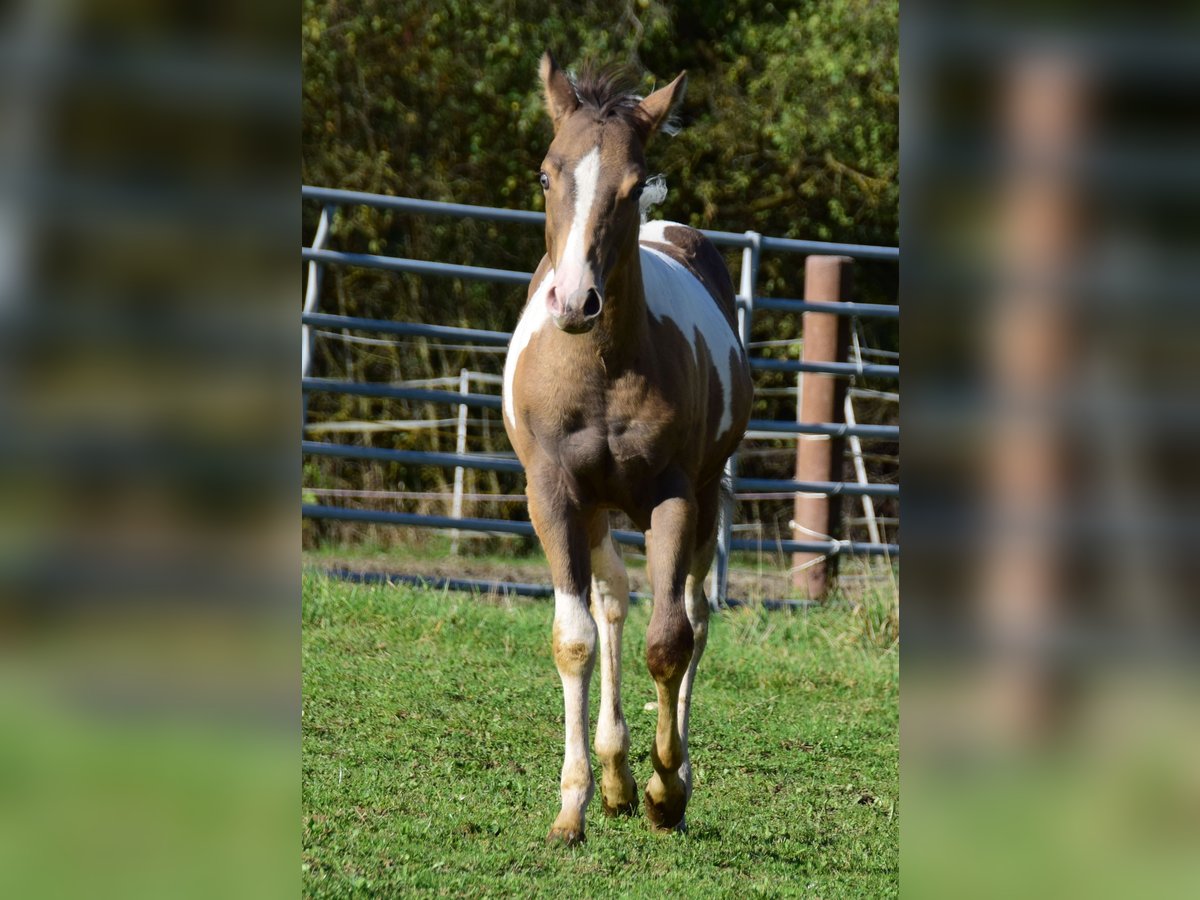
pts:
[579, 313]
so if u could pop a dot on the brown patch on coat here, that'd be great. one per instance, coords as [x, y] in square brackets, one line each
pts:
[669, 642]
[572, 657]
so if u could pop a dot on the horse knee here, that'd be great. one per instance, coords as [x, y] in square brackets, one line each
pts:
[697, 607]
[610, 584]
[574, 640]
[669, 645]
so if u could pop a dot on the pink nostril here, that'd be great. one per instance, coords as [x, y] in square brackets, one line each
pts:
[553, 303]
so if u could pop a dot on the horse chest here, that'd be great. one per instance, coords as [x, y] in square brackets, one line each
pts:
[639, 441]
[599, 444]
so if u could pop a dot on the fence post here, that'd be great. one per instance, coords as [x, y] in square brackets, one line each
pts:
[719, 592]
[860, 472]
[818, 457]
[312, 293]
[460, 447]
[1030, 361]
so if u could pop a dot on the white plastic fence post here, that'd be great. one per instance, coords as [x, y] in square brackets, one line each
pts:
[460, 447]
[312, 292]
[718, 593]
[860, 472]
[313, 288]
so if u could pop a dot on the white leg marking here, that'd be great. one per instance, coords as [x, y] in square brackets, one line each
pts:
[574, 655]
[610, 605]
[697, 612]
[672, 292]
[572, 264]
[533, 318]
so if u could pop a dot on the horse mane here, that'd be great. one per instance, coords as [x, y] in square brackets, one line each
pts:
[610, 94]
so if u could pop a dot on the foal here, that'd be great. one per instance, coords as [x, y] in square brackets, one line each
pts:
[625, 388]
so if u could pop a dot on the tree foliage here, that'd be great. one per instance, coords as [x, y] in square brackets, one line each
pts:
[791, 118]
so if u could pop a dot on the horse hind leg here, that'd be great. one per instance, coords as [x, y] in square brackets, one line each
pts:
[696, 604]
[610, 606]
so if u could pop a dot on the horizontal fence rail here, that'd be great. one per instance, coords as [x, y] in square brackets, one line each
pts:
[863, 310]
[370, 389]
[341, 197]
[416, 266]
[491, 401]
[414, 457]
[525, 529]
[498, 526]
[500, 464]
[741, 241]
[830, 429]
[752, 244]
[869, 370]
[411, 329]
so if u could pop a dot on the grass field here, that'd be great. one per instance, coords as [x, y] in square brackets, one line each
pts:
[433, 739]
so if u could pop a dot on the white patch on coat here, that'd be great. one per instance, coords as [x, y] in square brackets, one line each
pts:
[674, 293]
[656, 231]
[573, 261]
[533, 318]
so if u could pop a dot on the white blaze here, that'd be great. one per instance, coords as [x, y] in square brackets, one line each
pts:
[573, 262]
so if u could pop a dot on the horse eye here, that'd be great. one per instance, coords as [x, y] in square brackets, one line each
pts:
[637, 191]
[545, 180]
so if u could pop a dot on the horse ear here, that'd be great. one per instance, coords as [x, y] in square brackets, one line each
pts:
[656, 109]
[560, 95]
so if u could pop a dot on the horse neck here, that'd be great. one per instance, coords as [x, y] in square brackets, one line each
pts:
[622, 326]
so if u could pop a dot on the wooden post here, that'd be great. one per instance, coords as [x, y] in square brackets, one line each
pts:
[1030, 355]
[819, 458]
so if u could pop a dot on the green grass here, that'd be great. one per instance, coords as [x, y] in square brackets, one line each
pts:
[433, 738]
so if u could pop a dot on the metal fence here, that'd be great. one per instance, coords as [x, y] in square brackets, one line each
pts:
[752, 245]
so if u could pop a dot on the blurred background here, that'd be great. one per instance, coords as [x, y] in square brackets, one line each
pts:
[149, 664]
[148, 405]
[1050, 313]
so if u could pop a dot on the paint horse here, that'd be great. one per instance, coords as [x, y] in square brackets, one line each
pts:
[625, 388]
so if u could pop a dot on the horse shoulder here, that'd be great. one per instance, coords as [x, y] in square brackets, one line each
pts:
[698, 255]
[676, 294]
[533, 317]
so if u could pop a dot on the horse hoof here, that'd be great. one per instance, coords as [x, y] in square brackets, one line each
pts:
[619, 809]
[566, 837]
[668, 815]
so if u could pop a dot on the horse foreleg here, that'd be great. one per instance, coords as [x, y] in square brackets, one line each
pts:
[669, 649]
[574, 643]
[610, 605]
